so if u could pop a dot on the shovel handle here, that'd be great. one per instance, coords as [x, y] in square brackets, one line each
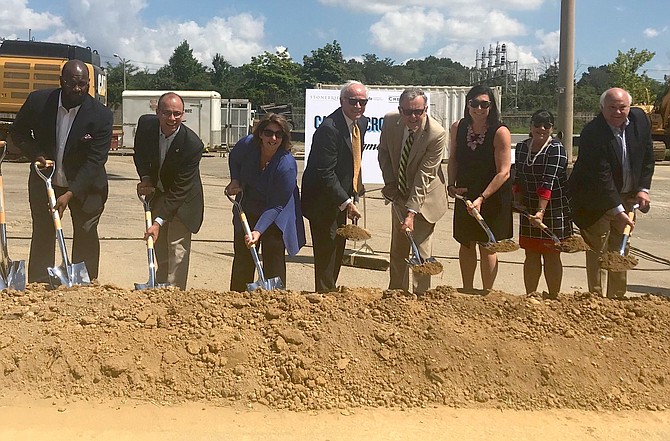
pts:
[627, 229]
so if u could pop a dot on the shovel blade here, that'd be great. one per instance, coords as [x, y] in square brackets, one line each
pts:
[267, 284]
[413, 261]
[149, 285]
[17, 275]
[69, 276]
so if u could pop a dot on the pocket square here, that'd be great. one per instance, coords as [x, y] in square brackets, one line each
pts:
[87, 137]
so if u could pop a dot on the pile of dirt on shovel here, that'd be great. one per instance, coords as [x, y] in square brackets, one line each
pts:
[357, 347]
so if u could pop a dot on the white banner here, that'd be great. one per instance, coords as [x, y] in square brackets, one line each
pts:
[319, 103]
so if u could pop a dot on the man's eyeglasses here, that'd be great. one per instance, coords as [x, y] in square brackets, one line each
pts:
[268, 133]
[545, 125]
[72, 84]
[354, 101]
[410, 112]
[479, 104]
[168, 113]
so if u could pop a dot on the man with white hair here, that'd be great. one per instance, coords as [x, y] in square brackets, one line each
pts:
[613, 171]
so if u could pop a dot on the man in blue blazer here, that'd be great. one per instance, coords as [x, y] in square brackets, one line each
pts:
[74, 130]
[167, 159]
[613, 171]
[329, 194]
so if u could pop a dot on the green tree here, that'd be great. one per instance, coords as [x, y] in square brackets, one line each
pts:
[378, 71]
[325, 65]
[184, 71]
[625, 74]
[272, 78]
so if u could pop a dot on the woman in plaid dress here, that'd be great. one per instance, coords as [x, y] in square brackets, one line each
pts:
[540, 186]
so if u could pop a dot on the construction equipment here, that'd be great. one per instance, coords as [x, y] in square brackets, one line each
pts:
[151, 254]
[659, 119]
[262, 282]
[493, 245]
[67, 274]
[26, 66]
[12, 273]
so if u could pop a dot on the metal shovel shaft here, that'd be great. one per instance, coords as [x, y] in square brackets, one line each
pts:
[415, 259]
[627, 230]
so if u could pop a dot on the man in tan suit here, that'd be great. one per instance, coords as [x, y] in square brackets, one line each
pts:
[410, 155]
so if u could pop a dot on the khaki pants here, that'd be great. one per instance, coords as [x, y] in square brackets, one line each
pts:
[596, 235]
[173, 251]
[400, 250]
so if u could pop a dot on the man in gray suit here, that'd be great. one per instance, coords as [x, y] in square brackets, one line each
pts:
[411, 148]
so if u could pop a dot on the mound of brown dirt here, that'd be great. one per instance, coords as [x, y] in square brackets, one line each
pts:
[354, 348]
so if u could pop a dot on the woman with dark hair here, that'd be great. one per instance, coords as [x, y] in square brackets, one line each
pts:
[264, 171]
[479, 169]
[540, 187]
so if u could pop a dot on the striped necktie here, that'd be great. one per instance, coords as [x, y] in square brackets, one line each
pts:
[356, 151]
[402, 169]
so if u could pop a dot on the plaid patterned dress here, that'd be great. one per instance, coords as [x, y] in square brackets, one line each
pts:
[547, 170]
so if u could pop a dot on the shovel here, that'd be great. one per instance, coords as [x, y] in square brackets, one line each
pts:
[492, 245]
[418, 264]
[67, 274]
[262, 282]
[572, 244]
[12, 273]
[151, 255]
[619, 262]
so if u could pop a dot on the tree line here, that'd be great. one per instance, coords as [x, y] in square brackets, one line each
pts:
[276, 78]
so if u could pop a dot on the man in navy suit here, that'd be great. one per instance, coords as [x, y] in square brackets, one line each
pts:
[74, 130]
[613, 171]
[167, 159]
[331, 185]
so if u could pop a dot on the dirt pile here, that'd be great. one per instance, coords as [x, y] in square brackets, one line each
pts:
[354, 348]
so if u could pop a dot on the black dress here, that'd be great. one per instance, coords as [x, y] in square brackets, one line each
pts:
[475, 170]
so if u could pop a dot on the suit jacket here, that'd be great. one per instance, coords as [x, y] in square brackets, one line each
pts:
[328, 178]
[427, 193]
[597, 178]
[279, 189]
[86, 148]
[179, 174]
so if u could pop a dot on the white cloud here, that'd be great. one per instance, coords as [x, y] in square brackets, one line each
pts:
[650, 33]
[17, 17]
[549, 45]
[398, 31]
[385, 6]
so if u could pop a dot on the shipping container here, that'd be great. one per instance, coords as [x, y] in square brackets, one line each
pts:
[202, 113]
[236, 120]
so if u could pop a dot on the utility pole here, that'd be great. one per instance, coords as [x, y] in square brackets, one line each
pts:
[566, 75]
[123, 61]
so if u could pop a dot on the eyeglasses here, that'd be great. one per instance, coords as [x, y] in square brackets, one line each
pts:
[545, 125]
[410, 112]
[72, 84]
[479, 104]
[168, 113]
[354, 101]
[268, 133]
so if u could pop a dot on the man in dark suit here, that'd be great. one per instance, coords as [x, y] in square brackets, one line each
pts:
[74, 130]
[613, 171]
[332, 181]
[411, 148]
[167, 159]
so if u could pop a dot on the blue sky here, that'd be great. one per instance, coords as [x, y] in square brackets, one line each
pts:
[147, 31]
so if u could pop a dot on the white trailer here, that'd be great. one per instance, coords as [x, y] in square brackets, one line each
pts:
[236, 120]
[202, 113]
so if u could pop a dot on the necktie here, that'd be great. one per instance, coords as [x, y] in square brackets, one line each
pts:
[356, 151]
[402, 169]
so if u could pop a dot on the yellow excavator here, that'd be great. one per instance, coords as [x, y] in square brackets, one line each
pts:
[659, 118]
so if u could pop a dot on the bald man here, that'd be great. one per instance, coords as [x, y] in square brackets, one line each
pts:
[74, 130]
[613, 171]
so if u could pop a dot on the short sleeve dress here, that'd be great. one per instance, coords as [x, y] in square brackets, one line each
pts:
[543, 174]
[475, 170]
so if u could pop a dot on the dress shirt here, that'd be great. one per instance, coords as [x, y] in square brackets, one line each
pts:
[64, 120]
[164, 143]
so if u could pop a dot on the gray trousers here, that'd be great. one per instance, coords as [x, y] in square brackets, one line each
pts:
[173, 252]
[400, 250]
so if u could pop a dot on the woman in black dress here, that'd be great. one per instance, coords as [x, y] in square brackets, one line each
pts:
[479, 169]
[540, 186]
